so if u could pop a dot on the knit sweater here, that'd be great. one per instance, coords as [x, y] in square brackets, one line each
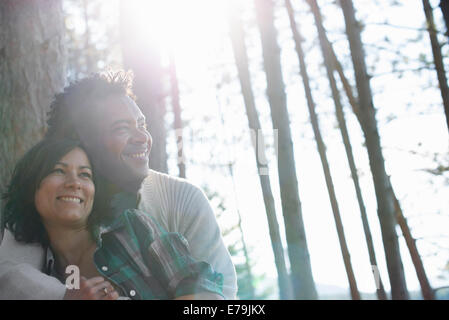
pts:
[176, 204]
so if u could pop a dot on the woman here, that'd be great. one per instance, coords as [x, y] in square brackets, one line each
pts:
[55, 199]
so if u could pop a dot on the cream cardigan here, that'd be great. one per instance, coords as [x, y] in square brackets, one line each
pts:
[176, 204]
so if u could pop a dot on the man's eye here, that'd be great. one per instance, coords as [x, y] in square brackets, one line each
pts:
[121, 129]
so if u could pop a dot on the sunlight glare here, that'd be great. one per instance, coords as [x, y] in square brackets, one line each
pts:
[185, 28]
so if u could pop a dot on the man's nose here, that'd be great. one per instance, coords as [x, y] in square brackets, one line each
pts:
[140, 136]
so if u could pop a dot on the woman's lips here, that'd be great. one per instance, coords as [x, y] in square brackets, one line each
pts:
[72, 199]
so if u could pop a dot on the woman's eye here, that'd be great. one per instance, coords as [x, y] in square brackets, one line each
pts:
[86, 175]
[57, 170]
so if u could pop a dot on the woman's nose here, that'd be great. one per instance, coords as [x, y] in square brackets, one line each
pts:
[72, 182]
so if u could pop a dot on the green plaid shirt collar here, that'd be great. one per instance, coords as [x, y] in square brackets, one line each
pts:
[120, 202]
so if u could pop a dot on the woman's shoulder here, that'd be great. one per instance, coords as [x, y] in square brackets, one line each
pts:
[21, 252]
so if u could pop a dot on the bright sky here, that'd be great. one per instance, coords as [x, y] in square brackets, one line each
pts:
[196, 31]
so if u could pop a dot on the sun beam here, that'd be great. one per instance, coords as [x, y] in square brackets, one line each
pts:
[182, 27]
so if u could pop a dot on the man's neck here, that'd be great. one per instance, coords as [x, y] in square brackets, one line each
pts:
[131, 187]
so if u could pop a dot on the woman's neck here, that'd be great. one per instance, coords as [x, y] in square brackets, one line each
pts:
[71, 246]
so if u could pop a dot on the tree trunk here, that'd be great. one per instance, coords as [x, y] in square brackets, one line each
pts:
[338, 67]
[426, 289]
[177, 115]
[444, 6]
[241, 60]
[32, 70]
[329, 62]
[437, 58]
[145, 62]
[322, 151]
[302, 278]
[385, 204]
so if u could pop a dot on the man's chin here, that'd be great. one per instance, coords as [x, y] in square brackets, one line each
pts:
[132, 181]
[136, 167]
[139, 174]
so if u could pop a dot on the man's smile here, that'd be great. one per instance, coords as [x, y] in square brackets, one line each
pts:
[140, 155]
[136, 155]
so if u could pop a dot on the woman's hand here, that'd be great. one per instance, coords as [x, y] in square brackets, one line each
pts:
[92, 289]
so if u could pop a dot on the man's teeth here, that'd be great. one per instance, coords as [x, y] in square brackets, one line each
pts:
[70, 199]
[137, 155]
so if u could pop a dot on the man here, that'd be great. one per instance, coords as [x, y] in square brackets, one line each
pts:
[101, 112]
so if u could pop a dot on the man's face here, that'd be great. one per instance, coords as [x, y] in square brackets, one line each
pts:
[119, 143]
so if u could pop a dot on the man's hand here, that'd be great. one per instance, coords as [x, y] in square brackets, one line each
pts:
[92, 289]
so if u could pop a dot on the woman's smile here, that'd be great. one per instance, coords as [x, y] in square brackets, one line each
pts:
[66, 194]
[70, 199]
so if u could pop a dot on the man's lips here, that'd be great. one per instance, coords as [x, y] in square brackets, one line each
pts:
[137, 155]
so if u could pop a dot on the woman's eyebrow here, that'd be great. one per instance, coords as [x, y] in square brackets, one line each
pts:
[61, 164]
[65, 165]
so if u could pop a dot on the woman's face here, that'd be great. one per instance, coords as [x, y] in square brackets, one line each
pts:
[65, 196]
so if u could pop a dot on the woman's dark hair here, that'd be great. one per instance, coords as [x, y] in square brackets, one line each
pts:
[21, 216]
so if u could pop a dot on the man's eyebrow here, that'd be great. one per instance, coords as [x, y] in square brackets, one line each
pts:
[120, 122]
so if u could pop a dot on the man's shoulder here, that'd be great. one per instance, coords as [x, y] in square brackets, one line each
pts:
[167, 194]
[159, 181]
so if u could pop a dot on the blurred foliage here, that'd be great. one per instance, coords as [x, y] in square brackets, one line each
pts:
[247, 281]
[93, 44]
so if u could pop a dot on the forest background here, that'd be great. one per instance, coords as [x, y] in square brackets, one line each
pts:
[243, 97]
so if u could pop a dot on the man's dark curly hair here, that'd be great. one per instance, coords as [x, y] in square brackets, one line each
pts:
[20, 213]
[76, 102]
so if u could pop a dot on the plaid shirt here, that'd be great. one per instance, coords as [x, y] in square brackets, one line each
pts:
[146, 262]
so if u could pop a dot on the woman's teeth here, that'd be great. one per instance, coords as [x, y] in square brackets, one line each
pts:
[70, 199]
